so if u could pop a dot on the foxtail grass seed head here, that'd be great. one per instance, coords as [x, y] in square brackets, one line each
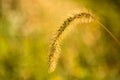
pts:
[54, 46]
[54, 52]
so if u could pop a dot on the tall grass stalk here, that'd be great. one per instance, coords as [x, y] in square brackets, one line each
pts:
[54, 53]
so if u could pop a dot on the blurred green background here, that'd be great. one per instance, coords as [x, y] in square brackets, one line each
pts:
[88, 51]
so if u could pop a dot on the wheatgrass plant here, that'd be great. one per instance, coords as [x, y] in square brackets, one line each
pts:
[54, 53]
